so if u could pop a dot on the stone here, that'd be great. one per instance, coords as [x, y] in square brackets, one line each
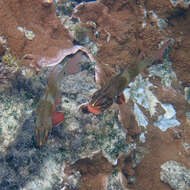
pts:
[176, 175]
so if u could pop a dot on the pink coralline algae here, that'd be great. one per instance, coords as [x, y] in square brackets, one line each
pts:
[38, 61]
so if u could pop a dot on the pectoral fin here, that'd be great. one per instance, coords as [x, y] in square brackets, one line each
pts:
[121, 99]
[57, 118]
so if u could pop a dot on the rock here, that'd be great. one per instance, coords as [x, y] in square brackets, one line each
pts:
[79, 136]
[182, 3]
[120, 33]
[176, 175]
[115, 181]
[2, 48]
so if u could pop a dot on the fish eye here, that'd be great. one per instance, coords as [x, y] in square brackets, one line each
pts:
[85, 110]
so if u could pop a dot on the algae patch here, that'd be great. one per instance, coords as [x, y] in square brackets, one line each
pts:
[14, 110]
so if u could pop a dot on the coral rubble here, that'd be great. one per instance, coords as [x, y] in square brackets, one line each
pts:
[176, 175]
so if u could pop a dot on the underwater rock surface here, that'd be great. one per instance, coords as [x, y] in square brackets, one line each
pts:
[176, 175]
[79, 136]
[154, 126]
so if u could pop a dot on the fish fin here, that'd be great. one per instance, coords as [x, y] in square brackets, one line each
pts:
[57, 118]
[93, 110]
[103, 73]
[121, 99]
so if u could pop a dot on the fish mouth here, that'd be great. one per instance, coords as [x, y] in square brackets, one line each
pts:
[88, 108]
[93, 109]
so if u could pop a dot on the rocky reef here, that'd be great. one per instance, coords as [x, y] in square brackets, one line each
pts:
[176, 175]
[130, 145]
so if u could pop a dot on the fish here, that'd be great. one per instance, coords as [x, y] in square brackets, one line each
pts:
[47, 116]
[112, 91]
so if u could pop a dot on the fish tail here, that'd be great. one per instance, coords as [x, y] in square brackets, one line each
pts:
[156, 56]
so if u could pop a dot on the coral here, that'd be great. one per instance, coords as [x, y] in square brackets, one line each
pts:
[19, 27]
[176, 175]
[182, 3]
[140, 117]
[79, 136]
[167, 120]
[106, 136]
[116, 181]
[80, 34]
[119, 33]
[61, 54]
[15, 110]
[65, 7]
[3, 45]
[9, 65]
[28, 33]
[140, 93]
[10, 61]
[187, 94]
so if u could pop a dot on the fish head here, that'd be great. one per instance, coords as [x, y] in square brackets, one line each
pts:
[99, 102]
